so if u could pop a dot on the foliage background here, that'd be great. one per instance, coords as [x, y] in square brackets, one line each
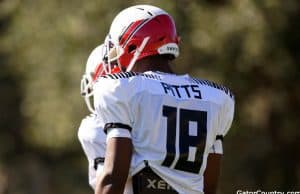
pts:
[251, 46]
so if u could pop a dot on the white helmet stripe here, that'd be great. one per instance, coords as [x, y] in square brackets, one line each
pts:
[137, 53]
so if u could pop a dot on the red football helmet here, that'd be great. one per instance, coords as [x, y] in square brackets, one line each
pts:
[141, 31]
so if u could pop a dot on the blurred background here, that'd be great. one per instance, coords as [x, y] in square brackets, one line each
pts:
[251, 46]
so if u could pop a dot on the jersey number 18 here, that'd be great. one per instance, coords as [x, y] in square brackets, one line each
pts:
[191, 138]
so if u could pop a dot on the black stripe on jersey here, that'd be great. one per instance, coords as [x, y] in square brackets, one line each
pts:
[116, 125]
[120, 75]
[98, 161]
[109, 75]
[130, 74]
[220, 137]
[214, 85]
[151, 76]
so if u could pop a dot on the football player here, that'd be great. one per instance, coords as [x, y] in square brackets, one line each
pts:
[163, 129]
[90, 133]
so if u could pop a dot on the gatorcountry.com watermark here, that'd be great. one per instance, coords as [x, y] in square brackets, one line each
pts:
[266, 192]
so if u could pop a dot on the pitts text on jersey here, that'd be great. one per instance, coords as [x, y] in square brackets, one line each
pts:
[191, 91]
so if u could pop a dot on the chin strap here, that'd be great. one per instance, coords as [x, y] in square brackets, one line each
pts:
[137, 53]
[88, 104]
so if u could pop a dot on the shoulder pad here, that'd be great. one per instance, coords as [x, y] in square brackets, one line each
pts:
[214, 85]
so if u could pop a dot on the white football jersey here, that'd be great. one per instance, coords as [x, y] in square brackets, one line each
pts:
[174, 122]
[93, 142]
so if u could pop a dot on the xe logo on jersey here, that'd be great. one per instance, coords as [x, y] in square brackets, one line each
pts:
[158, 184]
[147, 182]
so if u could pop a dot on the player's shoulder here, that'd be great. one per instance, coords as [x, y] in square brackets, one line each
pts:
[129, 76]
[90, 121]
[118, 87]
[125, 80]
[220, 89]
[89, 126]
[119, 76]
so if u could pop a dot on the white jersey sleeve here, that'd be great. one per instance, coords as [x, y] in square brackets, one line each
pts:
[226, 117]
[92, 139]
[112, 104]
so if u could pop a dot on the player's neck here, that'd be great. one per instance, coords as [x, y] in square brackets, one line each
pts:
[153, 64]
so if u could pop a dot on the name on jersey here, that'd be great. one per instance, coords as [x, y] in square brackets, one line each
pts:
[179, 91]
